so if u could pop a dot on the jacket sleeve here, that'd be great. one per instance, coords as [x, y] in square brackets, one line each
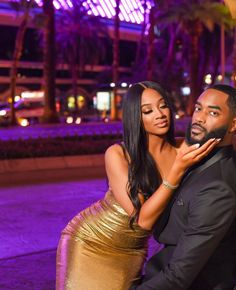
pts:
[210, 215]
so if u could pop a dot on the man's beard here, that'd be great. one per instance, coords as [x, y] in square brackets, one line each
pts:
[216, 133]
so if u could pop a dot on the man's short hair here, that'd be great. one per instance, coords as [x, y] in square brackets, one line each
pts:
[231, 92]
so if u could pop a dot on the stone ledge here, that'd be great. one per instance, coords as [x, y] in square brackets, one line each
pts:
[45, 163]
[34, 170]
[55, 163]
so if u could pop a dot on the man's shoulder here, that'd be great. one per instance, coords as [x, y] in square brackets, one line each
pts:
[217, 180]
[224, 170]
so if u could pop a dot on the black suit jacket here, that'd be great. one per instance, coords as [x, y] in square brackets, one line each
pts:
[198, 230]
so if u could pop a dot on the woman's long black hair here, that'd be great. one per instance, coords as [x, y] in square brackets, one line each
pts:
[142, 170]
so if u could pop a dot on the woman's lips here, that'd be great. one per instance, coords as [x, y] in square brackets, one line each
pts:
[162, 124]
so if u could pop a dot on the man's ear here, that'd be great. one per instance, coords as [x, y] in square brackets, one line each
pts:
[233, 126]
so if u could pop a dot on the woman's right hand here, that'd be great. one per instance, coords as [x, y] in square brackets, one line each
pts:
[187, 155]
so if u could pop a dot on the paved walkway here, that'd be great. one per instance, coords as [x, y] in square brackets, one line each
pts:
[32, 217]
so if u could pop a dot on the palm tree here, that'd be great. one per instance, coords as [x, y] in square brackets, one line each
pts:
[50, 115]
[232, 6]
[234, 59]
[192, 18]
[139, 67]
[172, 32]
[20, 6]
[156, 60]
[80, 40]
[115, 65]
[141, 43]
[150, 47]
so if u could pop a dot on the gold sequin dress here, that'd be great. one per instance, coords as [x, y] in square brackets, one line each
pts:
[99, 251]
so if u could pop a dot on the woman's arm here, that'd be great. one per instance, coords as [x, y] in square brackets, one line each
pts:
[186, 157]
[117, 173]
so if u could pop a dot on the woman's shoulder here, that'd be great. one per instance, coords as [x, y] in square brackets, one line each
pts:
[115, 151]
[115, 158]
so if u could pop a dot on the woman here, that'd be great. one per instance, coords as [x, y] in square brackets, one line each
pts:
[104, 246]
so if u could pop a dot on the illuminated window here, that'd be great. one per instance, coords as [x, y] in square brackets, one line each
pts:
[103, 101]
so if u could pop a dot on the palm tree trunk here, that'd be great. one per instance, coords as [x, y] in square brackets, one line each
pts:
[222, 51]
[115, 66]
[234, 59]
[16, 57]
[204, 60]
[50, 115]
[74, 84]
[195, 33]
[171, 48]
[150, 50]
[141, 41]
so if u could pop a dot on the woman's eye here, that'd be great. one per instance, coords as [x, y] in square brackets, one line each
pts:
[162, 106]
[147, 112]
[196, 109]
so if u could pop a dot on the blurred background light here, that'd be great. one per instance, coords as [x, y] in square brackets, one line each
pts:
[24, 122]
[185, 91]
[69, 120]
[208, 79]
[124, 85]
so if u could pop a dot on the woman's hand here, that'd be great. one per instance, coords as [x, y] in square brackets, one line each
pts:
[187, 155]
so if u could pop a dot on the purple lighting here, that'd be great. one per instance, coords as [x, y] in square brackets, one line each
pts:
[56, 5]
[106, 9]
[130, 10]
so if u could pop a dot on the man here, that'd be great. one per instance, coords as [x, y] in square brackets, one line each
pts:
[198, 229]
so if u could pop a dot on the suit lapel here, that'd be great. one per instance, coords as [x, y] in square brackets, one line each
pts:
[213, 157]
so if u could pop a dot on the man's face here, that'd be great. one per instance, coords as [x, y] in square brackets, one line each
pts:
[212, 117]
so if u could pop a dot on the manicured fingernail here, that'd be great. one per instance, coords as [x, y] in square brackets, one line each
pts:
[218, 140]
[197, 145]
[213, 139]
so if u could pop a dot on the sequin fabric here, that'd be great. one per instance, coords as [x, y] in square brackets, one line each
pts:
[99, 251]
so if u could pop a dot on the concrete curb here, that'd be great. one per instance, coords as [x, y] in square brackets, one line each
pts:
[30, 170]
[34, 170]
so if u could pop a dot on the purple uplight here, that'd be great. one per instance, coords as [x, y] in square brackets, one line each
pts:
[69, 3]
[101, 11]
[39, 3]
[56, 5]
[111, 8]
[105, 9]
[125, 14]
[126, 10]
[130, 10]
[121, 17]
[63, 3]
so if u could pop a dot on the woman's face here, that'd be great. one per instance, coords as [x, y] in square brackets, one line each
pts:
[155, 113]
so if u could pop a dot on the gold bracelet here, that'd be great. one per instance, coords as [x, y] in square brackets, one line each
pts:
[168, 185]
